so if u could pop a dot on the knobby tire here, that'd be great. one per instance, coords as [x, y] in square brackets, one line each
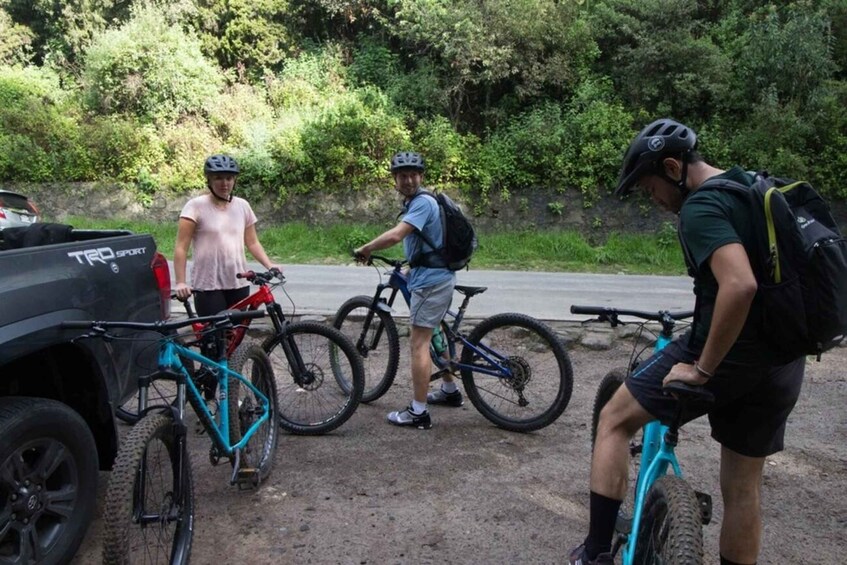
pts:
[150, 445]
[543, 376]
[380, 360]
[322, 391]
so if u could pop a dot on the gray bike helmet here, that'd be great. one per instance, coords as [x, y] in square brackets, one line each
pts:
[407, 160]
[660, 139]
[220, 164]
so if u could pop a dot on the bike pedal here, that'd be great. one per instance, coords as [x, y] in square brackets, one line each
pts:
[439, 374]
[705, 502]
[247, 478]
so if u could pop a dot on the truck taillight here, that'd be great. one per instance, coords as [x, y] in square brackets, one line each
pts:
[163, 279]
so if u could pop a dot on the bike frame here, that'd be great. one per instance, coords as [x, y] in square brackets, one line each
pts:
[656, 456]
[398, 282]
[171, 364]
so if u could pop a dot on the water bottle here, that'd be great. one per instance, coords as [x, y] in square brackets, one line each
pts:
[438, 340]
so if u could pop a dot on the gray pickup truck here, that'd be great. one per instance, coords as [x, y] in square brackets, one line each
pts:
[58, 394]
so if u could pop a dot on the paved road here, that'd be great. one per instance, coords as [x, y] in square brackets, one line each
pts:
[321, 289]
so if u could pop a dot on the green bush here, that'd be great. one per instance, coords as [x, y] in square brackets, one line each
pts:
[149, 68]
[41, 138]
[186, 145]
[306, 82]
[452, 158]
[596, 133]
[345, 146]
[121, 148]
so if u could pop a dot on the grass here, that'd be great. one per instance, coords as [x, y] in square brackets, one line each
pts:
[520, 250]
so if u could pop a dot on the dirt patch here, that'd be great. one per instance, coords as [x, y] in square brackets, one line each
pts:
[468, 492]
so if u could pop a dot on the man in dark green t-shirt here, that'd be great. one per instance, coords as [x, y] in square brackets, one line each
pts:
[755, 387]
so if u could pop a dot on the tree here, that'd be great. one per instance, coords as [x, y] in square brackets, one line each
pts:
[489, 50]
[149, 68]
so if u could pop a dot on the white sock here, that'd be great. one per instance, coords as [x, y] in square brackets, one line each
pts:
[418, 407]
[449, 387]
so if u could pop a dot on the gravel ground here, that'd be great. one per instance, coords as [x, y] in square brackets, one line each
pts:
[468, 492]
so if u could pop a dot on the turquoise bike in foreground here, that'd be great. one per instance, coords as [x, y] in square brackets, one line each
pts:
[662, 521]
[149, 508]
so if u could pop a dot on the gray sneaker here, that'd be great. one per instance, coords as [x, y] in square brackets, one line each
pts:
[438, 396]
[408, 418]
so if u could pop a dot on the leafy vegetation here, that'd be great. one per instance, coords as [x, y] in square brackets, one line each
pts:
[502, 97]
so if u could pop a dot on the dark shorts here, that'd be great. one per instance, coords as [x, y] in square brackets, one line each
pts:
[210, 302]
[752, 403]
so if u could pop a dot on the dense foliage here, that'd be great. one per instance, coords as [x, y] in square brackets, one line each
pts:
[501, 96]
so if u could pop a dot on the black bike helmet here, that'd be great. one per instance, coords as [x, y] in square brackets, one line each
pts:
[407, 160]
[220, 164]
[660, 139]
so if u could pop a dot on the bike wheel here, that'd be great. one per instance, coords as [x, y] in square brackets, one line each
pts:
[542, 378]
[149, 508]
[245, 408]
[671, 530]
[378, 344]
[312, 399]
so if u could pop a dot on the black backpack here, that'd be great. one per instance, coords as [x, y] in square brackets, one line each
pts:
[459, 237]
[801, 266]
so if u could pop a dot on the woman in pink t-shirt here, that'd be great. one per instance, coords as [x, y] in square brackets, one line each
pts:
[220, 226]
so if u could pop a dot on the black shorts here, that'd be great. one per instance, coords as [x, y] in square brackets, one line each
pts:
[210, 302]
[752, 403]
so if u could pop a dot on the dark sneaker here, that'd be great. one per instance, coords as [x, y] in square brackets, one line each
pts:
[408, 418]
[453, 399]
[579, 557]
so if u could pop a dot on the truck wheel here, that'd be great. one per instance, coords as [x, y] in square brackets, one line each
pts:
[48, 480]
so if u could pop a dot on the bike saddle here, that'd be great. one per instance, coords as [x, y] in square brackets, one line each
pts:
[688, 392]
[470, 290]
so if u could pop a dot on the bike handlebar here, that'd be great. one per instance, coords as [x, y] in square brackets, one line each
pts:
[609, 313]
[396, 263]
[162, 326]
[261, 278]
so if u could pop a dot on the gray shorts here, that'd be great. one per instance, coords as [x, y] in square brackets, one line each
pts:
[430, 304]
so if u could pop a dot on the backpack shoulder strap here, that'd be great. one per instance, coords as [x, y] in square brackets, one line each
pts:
[422, 235]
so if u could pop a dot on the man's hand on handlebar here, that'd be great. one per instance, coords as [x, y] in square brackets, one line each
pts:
[362, 255]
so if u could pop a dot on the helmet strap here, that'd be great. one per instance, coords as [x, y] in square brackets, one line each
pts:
[217, 197]
[683, 177]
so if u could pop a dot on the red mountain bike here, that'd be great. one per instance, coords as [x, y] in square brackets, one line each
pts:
[319, 374]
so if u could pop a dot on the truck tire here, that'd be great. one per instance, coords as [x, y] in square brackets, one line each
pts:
[48, 480]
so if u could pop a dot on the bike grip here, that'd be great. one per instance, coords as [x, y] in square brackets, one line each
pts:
[589, 310]
[245, 275]
[78, 325]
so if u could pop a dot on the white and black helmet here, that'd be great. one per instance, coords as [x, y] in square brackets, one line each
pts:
[407, 160]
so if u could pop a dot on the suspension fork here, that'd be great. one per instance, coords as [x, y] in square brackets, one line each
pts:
[378, 303]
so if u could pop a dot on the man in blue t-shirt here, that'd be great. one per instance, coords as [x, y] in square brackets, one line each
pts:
[431, 287]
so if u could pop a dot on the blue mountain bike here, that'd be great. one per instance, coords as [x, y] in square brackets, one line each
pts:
[662, 518]
[514, 368]
[149, 508]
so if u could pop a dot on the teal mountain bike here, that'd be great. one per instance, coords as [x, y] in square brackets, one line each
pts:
[149, 508]
[662, 518]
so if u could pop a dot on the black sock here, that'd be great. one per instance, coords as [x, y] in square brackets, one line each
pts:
[725, 561]
[604, 514]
